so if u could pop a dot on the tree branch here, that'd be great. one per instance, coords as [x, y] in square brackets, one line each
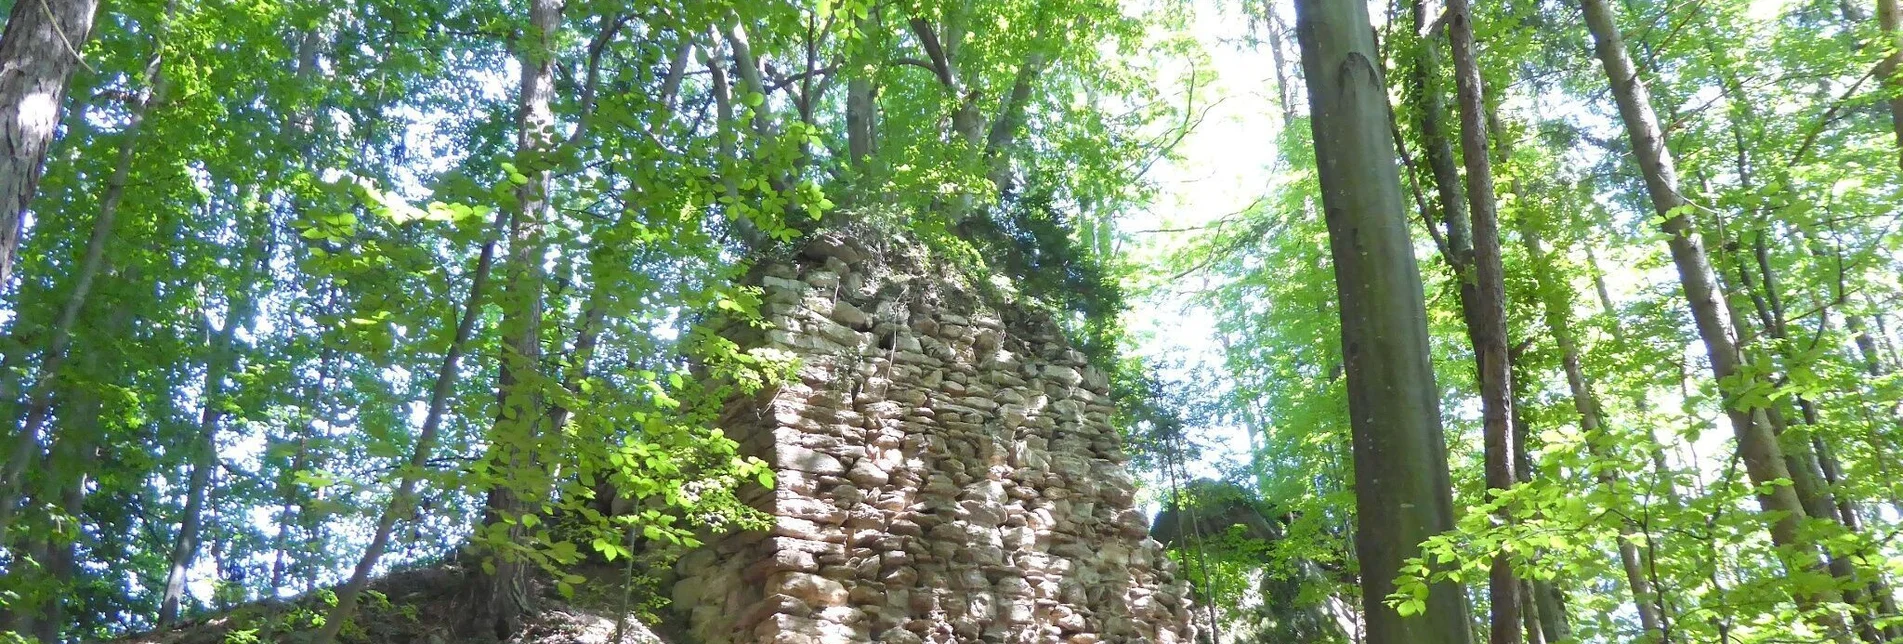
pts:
[928, 39]
[589, 86]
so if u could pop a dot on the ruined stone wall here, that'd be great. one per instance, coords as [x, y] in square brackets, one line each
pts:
[947, 472]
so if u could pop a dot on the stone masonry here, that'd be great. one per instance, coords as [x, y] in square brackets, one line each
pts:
[947, 472]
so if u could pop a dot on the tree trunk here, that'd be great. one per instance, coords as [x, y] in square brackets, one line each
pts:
[1819, 486]
[1811, 477]
[501, 595]
[1487, 322]
[25, 448]
[1427, 99]
[1763, 458]
[39, 50]
[50, 556]
[1403, 491]
[1661, 466]
[1538, 618]
[859, 124]
[1890, 19]
[204, 449]
[1808, 480]
[1590, 424]
[862, 110]
[292, 501]
[401, 502]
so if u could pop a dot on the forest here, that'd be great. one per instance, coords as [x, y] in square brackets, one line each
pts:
[1423, 322]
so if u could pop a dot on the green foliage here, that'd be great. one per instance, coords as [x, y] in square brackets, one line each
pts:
[300, 219]
[1786, 151]
[319, 182]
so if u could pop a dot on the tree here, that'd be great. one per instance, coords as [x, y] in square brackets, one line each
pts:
[502, 596]
[1762, 455]
[1403, 493]
[1890, 20]
[1490, 336]
[44, 42]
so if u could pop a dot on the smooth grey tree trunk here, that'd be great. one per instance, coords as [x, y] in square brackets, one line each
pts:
[1403, 491]
[1759, 449]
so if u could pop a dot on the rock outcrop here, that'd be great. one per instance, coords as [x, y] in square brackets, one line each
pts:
[946, 469]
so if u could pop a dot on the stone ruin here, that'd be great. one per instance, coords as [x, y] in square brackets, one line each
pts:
[947, 472]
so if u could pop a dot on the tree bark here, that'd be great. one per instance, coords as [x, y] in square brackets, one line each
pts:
[1763, 458]
[1819, 485]
[1487, 322]
[1661, 466]
[1427, 97]
[1586, 404]
[219, 362]
[39, 50]
[50, 557]
[501, 596]
[1403, 491]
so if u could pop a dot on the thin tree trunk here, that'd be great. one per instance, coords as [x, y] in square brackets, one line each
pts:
[501, 597]
[52, 618]
[204, 449]
[1403, 491]
[1547, 602]
[862, 109]
[280, 542]
[1823, 475]
[26, 443]
[1530, 616]
[1807, 474]
[1866, 345]
[50, 556]
[1533, 616]
[401, 502]
[1661, 466]
[1890, 346]
[1009, 120]
[289, 498]
[1284, 89]
[1560, 327]
[1763, 458]
[310, 43]
[1427, 98]
[1488, 320]
[40, 49]
[1811, 477]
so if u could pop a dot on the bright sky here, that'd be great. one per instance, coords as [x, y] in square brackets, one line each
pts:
[1224, 164]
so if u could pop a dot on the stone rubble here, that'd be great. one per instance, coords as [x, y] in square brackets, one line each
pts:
[946, 472]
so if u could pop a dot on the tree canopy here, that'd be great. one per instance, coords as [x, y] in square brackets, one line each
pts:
[1548, 321]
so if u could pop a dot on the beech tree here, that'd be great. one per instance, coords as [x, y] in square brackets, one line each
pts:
[1402, 487]
[307, 298]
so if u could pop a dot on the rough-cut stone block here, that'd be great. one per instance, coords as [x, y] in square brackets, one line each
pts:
[801, 459]
[810, 588]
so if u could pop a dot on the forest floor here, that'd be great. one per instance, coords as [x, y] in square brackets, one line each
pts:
[420, 607]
